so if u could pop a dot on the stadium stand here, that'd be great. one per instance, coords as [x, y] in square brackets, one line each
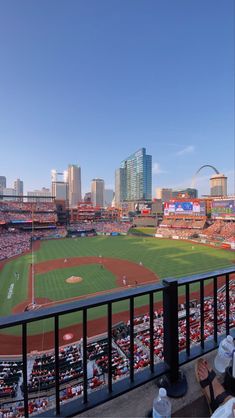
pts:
[185, 228]
[39, 212]
[10, 372]
[17, 242]
[222, 229]
[41, 379]
[102, 227]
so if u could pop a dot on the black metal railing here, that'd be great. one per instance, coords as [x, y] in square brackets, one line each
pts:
[169, 292]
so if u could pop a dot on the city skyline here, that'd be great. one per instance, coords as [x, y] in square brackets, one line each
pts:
[91, 83]
[64, 177]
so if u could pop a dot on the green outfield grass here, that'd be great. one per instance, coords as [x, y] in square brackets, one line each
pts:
[167, 258]
[94, 279]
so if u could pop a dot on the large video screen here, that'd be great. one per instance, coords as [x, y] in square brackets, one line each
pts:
[194, 207]
[221, 209]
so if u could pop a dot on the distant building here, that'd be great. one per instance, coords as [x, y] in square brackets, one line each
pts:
[97, 192]
[108, 197]
[59, 185]
[189, 192]
[9, 193]
[218, 185]
[134, 181]
[19, 187]
[157, 206]
[60, 190]
[87, 197]
[43, 195]
[3, 182]
[74, 185]
[120, 186]
[164, 194]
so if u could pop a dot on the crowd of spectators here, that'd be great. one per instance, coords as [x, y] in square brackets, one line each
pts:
[27, 212]
[17, 242]
[70, 357]
[110, 227]
[183, 223]
[10, 372]
[221, 229]
[171, 232]
[13, 243]
[102, 227]
[43, 217]
[16, 409]
[185, 228]
[43, 372]
[27, 206]
[98, 352]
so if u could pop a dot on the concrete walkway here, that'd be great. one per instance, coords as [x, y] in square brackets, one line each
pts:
[138, 402]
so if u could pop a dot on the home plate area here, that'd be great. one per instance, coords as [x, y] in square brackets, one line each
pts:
[74, 279]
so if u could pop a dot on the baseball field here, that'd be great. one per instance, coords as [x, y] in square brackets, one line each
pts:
[69, 269]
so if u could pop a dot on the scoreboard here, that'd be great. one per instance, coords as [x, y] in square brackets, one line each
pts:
[223, 209]
[193, 207]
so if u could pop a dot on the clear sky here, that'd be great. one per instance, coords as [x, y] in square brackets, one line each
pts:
[89, 82]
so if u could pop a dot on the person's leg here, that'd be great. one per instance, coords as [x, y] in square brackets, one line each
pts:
[212, 388]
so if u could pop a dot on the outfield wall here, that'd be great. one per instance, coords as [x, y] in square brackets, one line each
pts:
[223, 245]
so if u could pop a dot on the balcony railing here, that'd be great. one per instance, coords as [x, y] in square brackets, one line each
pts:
[169, 292]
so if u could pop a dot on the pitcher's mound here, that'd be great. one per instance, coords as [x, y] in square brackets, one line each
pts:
[74, 279]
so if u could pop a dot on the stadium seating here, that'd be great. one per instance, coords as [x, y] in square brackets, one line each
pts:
[17, 242]
[24, 211]
[102, 227]
[10, 372]
[42, 377]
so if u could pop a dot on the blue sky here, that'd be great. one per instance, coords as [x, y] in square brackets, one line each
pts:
[89, 82]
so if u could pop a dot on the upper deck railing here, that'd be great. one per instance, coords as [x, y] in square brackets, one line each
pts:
[168, 291]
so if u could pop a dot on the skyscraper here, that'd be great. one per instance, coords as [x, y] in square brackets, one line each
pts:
[97, 192]
[108, 197]
[120, 186]
[3, 182]
[74, 185]
[19, 187]
[136, 179]
[59, 185]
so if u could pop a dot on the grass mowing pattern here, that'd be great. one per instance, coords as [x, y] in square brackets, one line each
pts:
[7, 277]
[167, 258]
[53, 284]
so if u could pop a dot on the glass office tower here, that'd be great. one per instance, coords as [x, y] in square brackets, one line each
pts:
[137, 184]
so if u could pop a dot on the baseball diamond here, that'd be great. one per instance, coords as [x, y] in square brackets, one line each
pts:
[121, 256]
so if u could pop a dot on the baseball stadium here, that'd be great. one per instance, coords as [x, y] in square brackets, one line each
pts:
[52, 266]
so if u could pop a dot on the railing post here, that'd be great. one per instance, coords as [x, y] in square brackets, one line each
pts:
[57, 365]
[174, 381]
[171, 334]
[24, 355]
